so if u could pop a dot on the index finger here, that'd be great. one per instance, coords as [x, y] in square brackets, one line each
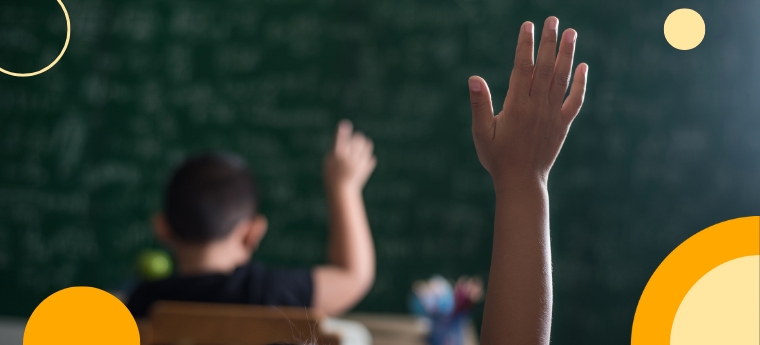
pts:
[343, 135]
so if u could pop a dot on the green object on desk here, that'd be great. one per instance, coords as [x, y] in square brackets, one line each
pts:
[154, 264]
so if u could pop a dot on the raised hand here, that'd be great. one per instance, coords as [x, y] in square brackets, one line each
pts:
[350, 161]
[350, 271]
[518, 147]
[523, 140]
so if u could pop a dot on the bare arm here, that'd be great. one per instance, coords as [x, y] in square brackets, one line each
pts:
[518, 147]
[519, 298]
[351, 269]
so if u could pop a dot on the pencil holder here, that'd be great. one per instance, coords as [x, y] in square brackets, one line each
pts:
[447, 307]
[448, 329]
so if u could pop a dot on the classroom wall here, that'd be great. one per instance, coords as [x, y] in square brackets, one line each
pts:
[665, 145]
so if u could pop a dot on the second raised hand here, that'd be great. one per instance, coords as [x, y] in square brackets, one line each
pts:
[350, 161]
[524, 139]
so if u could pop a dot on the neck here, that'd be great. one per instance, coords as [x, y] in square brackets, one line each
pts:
[206, 259]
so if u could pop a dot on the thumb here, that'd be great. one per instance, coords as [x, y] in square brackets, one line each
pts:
[482, 109]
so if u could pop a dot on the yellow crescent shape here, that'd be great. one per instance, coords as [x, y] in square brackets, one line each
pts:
[65, 45]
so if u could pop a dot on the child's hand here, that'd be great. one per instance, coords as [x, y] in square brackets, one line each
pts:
[350, 162]
[523, 140]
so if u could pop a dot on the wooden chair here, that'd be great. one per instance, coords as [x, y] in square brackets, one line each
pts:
[186, 323]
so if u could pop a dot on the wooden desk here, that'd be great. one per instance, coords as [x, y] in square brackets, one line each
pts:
[386, 329]
[401, 329]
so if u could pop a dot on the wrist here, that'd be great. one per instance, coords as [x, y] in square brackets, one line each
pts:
[343, 188]
[519, 182]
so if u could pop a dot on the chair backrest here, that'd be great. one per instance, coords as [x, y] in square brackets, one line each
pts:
[186, 323]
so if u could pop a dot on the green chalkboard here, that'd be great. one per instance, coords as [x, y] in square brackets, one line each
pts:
[666, 144]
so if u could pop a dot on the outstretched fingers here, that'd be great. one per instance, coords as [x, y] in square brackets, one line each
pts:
[574, 101]
[482, 109]
[563, 68]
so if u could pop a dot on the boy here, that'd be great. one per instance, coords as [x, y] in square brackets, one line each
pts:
[518, 147]
[210, 222]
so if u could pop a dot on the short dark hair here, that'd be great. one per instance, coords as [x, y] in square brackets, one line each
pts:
[208, 195]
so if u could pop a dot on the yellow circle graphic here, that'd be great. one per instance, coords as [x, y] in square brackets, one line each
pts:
[65, 45]
[723, 307]
[684, 29]
[682, 270]
[81, 316]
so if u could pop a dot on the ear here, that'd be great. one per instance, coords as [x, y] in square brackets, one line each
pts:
[161, 228]
[254, 232]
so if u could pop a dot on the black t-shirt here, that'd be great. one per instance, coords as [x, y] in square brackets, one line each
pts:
[249, 284]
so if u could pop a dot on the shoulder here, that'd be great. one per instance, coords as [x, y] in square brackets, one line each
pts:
[272, 274]
[143, 295]
[175, 288]
[282, 286]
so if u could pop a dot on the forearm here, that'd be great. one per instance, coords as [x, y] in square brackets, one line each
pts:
[519, 296]
[350, 245]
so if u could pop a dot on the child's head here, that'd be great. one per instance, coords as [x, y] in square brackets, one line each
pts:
[210, 205]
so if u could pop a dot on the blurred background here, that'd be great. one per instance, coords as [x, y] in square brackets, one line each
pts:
[666, 144]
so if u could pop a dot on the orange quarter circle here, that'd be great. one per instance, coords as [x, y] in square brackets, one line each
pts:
[682, 268]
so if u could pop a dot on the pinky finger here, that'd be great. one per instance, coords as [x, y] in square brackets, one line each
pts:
[574, 101]
[364, 153]
[371, 164]
[359, 144]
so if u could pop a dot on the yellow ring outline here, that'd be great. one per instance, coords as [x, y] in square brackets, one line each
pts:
[65, 45]
[684, 266]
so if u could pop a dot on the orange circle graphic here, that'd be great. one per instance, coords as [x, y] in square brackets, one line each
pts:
[81, 316]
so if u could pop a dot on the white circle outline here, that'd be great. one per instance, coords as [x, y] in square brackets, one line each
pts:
[65, 45]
